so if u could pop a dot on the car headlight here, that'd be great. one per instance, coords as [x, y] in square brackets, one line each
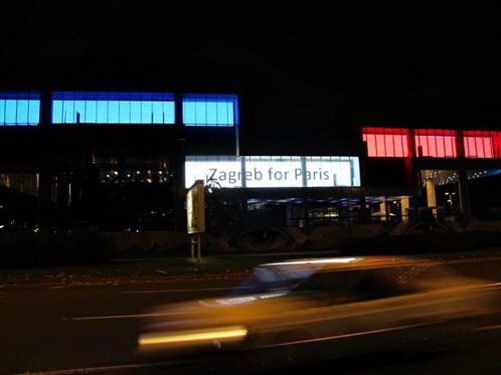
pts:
[193, 337]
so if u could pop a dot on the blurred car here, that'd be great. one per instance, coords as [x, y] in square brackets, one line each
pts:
[354, 304]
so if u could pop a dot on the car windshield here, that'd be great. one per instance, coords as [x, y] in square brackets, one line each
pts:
[267, 279]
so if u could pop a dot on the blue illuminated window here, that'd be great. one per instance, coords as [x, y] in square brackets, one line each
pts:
[210, 110]
[19, 109]
[112, 108]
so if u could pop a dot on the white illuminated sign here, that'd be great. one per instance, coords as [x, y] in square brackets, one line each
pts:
[274, 173]
[271, 171]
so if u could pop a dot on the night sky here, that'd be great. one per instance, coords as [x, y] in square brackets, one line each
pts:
[311, 66]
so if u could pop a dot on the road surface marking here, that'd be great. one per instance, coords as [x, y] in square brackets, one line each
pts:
[137, 316]
[86, 370]
[110, 317]
[363, 333]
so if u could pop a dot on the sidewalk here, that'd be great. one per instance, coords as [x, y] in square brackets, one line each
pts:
[144, 270]
[148, 270]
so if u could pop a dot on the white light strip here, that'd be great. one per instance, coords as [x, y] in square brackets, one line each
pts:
[316, 261]
[220, 333]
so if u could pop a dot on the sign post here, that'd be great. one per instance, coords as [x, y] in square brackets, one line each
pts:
[195, 204]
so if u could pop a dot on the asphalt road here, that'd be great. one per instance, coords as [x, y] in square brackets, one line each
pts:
[91, 329]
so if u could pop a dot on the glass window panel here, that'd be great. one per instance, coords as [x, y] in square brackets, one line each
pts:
[487, 149]
[19, 108]
[421, 146]
[445, 146]
[80, 111]
[146, 113]
[10, 112]
[169, 108]
[399, 149]
[57, 111]
[34, 112]
[371, 144]
[90, 112]
[102, 112]
[124, 108]
[435, 143]
[385, 142]
[113, 109]
[448, 147]
[68, 111]
[157, 111]
[211, 110]
[441, 146]
[189, 113]
[22, 112]
[478, 147]
[389, 147]
[135, 108]
[430, 142]
[232, 116]
[381, 151]
[468, 143]
[480, 144]
[223, 113]
[125, 117]
[200, 113]
[2, 112]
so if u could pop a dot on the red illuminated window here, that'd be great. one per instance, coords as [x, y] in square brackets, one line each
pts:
[385, 142]
[482, 144]
[435, 143]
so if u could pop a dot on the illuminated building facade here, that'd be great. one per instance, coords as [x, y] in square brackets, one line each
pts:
[440, 161]
[112, 160]
[122, 161]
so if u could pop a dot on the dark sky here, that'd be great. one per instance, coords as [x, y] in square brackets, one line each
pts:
[327, 48]
[299, 61]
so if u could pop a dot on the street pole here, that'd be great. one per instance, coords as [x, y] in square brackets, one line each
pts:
[199, 247]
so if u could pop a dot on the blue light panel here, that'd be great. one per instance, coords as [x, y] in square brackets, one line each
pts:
[210, 110]
[112, 108]
[19, 109]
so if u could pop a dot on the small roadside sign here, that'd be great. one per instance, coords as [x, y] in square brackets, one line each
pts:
[195, 203]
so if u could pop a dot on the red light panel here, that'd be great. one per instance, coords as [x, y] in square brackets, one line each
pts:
[435, 143]
[386, 143]
[481, 144]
